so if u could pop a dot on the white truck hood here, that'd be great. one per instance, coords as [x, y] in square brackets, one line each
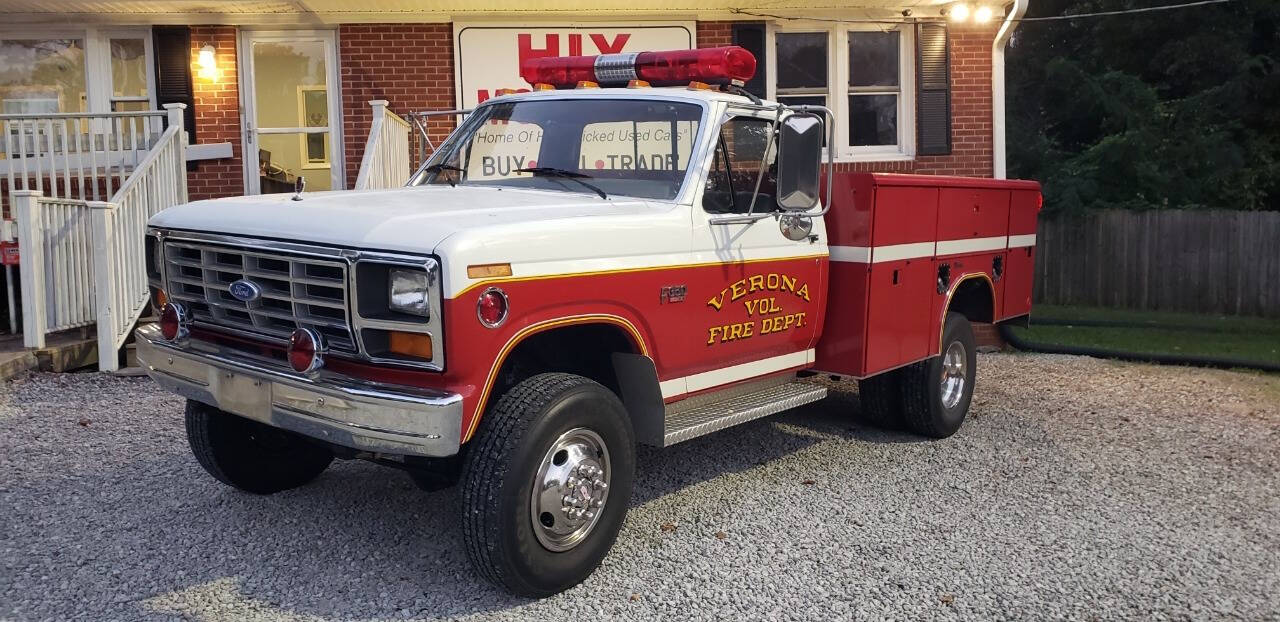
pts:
[411, 220]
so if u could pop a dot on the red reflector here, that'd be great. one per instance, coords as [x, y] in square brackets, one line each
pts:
[173, 322]
[491, 308]
[305, 351]
[723, 65]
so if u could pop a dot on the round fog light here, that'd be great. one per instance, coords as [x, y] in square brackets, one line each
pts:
[306, 351]
[173, 321]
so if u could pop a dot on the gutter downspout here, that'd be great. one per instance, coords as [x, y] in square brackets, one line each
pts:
[997, 86]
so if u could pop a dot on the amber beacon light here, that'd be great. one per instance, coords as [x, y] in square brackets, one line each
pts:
[723, 65]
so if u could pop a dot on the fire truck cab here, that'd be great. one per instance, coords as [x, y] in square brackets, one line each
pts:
[576, 270]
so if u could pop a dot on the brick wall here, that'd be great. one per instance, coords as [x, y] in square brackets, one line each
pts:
[715, 34]
[970, 104]
[217, 106]
[409, 65]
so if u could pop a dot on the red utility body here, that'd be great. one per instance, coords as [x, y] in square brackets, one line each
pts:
[889, 237]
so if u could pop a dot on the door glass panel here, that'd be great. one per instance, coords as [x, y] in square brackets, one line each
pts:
[282, 158]
[128, 68]
[291, 91]
[282, 72]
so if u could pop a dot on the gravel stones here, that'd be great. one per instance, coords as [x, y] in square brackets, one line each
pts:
[1077, 489]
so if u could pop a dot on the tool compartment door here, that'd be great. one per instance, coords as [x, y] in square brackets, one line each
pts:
[903, 229]
[1019, 276]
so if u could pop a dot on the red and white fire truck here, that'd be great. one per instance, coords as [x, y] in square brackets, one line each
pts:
[575, 271]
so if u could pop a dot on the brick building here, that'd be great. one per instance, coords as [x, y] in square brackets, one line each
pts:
[281, 89]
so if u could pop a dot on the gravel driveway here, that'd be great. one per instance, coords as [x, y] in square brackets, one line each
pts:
[1078, 489]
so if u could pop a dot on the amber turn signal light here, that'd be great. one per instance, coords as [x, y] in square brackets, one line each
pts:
[410, 344]
[488, 270]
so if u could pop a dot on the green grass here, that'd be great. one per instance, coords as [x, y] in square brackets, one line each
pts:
[1247, 338]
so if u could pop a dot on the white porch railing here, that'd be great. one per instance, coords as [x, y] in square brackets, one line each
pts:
[386, 154]
[84, 261]
[75, 155]
[56, 271]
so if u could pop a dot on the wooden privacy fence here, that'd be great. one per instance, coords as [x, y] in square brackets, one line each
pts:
[1197, 261]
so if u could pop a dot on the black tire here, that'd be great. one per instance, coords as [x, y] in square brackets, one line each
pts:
[251, 456]
[923, 409]
[881, 400]
[502, 462]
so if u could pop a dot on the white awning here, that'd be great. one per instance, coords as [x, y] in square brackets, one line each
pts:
[327, 12]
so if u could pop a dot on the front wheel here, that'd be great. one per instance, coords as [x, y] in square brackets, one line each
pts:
[936, 392]
[546, 483]
[251, 456]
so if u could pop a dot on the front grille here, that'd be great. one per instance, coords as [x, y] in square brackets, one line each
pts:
[298, 291]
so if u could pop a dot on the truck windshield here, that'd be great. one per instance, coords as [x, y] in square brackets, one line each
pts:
[637, 148]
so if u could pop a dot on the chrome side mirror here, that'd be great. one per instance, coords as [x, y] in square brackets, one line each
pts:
[799, 161]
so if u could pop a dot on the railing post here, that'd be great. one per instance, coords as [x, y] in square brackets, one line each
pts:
[369, 160]
[35, 317]
[176, 119]
[104, 281]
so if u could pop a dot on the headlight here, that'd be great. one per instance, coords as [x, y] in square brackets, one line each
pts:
[409, 293]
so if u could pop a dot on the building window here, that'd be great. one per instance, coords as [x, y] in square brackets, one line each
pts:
[874, 79]
[75, 71]
[42, 76]
[861, 75]
[802, 68]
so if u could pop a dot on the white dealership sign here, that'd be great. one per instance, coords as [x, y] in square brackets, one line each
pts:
[487, 56]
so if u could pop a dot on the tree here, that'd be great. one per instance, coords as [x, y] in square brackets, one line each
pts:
[1174, 109]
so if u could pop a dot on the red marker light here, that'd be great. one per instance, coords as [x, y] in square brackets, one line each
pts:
[491, 308]
[306, 351]
[723, 65]
[173, 322]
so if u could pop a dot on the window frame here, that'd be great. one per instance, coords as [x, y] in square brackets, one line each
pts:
[838, 89]
[99, 91]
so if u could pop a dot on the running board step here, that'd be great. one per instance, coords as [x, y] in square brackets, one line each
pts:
[741, 408]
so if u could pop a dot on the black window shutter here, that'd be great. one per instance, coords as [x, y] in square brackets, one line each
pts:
[933, 90]
[172, 45]
[751, 37]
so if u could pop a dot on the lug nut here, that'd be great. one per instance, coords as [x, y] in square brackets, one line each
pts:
[590, 515]
[597, 503]
[571, 482]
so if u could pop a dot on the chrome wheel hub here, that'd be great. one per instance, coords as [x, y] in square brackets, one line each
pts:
[954, 368]
[570, 489]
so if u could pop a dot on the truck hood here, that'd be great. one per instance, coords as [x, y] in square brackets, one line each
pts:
[412, 219]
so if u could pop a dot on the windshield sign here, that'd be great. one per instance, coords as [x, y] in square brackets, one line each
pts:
[635, 148]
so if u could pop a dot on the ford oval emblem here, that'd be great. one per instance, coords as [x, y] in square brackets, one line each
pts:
[245, 290]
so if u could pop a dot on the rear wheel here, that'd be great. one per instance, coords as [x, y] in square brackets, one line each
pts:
[251, 456]
[546, 483]
[936, 393]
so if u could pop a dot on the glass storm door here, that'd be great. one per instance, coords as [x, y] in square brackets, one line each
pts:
[292, 120]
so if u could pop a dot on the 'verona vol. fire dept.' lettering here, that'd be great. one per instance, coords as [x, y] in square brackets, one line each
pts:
[773, 318]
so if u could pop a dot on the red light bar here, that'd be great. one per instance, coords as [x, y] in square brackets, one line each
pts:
[723, 65]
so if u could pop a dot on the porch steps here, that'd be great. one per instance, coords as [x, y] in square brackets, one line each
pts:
[706, 414]
[63, 351]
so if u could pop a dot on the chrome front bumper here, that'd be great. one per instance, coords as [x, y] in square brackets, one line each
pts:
[338, 409]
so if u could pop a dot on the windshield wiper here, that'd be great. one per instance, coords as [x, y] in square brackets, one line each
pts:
[560, 173]
[438, 168]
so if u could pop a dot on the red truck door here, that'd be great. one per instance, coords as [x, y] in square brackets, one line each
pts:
[756, 302]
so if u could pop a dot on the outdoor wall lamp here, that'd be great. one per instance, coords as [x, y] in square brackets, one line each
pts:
[208, 63]
[960, 12]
